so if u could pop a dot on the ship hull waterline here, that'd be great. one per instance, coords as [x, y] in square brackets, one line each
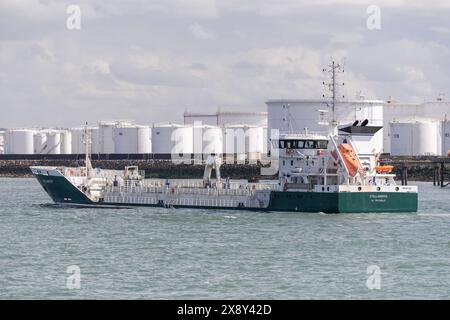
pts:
[65, 193]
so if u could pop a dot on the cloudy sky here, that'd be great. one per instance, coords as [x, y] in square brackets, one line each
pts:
[151, 60]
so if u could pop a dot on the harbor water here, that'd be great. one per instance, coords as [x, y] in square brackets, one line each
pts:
[153, 253]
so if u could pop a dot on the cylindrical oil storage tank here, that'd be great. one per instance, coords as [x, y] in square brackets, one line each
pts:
[131, 139]
[19, 141]
[144, 139]
[445, 138]
[234, 143]
[40, 142]
[241, 118]
[266, 141]
[53, 142]
[172, 139]
[2, 142]
[246, 141]
[105, 135]
[255, 142]
[212, 140]
[66, 142]
[125, 139]
[95, 140]
[77, 140]
[415, 138]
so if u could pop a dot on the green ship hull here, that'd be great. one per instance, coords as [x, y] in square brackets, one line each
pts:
[63, 192]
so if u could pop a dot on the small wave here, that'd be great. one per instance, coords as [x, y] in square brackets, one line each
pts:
[434, 214]
[75, 206]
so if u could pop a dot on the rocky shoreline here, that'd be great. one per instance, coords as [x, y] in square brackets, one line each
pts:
[167, 169]
[153, 168]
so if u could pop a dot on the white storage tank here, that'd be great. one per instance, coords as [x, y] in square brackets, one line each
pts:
[172, 138]
[40, 142]
[221, 118]
[415, 138]
[255, 142]
[19, 141]
[246, 141]
[95, 140]
[234, 141]
[144, 139]
[106, 142]
[241, 118]
[266, 141]
[446, 138]
[77, 140]
[53, 142]
[131, 139]
[66, 142]
[2, 142]
[212, 140]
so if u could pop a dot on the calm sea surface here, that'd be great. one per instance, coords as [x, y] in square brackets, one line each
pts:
[147, 253]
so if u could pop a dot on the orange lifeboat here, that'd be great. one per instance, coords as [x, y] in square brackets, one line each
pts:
[351, 160]
[384, 169]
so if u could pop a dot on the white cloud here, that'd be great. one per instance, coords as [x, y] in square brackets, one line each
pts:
[441, 29]
[139, 59]
[201, 32]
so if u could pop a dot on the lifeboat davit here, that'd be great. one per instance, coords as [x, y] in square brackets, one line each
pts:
[351, 160]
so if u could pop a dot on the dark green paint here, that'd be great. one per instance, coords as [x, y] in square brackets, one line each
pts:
[61, 190]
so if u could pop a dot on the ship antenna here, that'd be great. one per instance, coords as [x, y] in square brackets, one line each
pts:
[87, 142]
[289, 116]
[333, 69]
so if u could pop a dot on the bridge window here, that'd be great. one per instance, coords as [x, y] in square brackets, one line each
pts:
[301, 144]
[322, 144]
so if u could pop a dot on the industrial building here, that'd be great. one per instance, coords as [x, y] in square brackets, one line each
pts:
[221, 118]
